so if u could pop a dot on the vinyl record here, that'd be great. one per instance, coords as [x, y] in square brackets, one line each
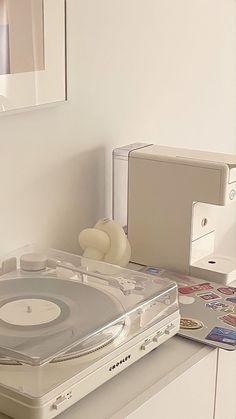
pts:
[42, 317]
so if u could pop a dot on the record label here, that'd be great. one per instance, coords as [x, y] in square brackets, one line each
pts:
[29, 312]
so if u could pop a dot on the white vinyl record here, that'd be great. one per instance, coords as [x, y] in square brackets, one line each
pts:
[45, 317]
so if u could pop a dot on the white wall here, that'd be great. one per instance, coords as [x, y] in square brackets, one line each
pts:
[156, 70]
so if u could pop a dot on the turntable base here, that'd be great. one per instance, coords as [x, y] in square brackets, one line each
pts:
[69, 328]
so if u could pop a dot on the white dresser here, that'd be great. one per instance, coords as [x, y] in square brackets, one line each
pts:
[179, 380]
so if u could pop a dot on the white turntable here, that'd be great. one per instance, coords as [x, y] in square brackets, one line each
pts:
[68, 324]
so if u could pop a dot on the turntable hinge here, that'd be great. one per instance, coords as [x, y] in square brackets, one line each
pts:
[8, 265]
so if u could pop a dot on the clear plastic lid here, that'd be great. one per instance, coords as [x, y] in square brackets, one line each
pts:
[71, 303]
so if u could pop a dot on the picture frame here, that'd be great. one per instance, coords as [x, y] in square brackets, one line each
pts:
[32, 53]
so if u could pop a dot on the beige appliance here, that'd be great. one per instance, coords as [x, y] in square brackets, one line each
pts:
[172, 198]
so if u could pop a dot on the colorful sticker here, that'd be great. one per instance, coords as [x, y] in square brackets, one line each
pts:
[192, 324]
[194, 288]
[222, 335]
[185, 278]
[226, 291]
[153, 270]
[209, 296]
[220, 306]
[229, 319]
[231, 300]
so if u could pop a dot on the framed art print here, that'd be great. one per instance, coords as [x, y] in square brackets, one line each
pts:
[32, 53]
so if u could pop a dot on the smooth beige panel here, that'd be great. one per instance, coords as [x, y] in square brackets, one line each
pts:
[3, 12]
[26, 35]
[189, 396]
[4, 46]
[226, 386]
[38, 31]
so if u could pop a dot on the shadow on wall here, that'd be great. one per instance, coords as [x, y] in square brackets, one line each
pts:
[226, 224]
[83, 199]
[55, 207]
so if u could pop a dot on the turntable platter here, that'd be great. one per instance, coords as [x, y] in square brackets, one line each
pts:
[43, 318]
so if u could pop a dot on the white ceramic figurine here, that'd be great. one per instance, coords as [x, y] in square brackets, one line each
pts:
[107, 242]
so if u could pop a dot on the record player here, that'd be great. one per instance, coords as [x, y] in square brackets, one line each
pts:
[68, 324]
